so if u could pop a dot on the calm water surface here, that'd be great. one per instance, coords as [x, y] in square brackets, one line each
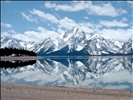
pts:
[85, 72]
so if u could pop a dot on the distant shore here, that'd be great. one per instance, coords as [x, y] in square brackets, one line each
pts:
[21, 58]
[14, 91]
[56, 57]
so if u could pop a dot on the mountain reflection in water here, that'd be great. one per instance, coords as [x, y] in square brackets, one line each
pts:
[86, 72]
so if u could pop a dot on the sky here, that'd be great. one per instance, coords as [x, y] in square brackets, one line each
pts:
[37, 20]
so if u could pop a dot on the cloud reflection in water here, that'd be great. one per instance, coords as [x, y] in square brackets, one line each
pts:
[92, 72]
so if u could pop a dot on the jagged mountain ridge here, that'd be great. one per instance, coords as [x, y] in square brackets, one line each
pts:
[16, 43]
[74, 42]
[77, 42]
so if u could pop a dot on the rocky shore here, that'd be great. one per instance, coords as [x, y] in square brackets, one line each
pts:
[14, 91]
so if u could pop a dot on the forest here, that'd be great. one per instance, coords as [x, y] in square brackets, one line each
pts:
[16, 52]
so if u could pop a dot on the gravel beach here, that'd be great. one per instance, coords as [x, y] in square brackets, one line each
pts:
[14, 91]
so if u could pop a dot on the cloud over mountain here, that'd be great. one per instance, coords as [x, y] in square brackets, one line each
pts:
[112, 19]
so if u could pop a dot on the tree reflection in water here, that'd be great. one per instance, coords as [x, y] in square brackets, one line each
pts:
[16, 63]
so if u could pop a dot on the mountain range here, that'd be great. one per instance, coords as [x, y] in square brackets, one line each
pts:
[74, 42]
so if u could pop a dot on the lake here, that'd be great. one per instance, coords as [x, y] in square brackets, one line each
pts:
[99, 72]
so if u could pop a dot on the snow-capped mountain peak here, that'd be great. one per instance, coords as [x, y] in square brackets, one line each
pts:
[97, 36]
[15, 43]
[73, 42]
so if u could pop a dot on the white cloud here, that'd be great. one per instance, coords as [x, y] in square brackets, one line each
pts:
[39, 34]
[105, 9]
[129, 2]
[42, 33]
[49, 5]
[48, 33]
[46, 16]
[86, 17]
[23, 37]
[113, 23]
[67, 23]
[122, 11]
[61, 23]
[76, 6]
[6, 25]
[29, 17]
[124, 19]
[12, 32]
[116, 34]
[8, 33]
[5, 34]
[87, 27]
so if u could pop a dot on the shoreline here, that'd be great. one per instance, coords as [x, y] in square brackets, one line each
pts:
[4, 58]
[21, 58]
[15, 91]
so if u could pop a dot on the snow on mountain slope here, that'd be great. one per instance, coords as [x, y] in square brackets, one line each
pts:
[127, 47]
[73, 41]
[98, 45]
[15, 43]
[12, 43]
[93, 44]
[45, 46]
[72, 38]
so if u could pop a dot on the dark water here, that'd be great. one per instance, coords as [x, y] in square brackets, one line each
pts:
[85, 72]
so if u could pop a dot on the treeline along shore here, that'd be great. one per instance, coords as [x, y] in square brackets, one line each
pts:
[13, 52]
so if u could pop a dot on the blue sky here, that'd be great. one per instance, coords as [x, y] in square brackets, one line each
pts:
[37, 20]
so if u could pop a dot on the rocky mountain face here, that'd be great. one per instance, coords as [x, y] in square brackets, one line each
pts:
[74, 42]
[9, 42]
